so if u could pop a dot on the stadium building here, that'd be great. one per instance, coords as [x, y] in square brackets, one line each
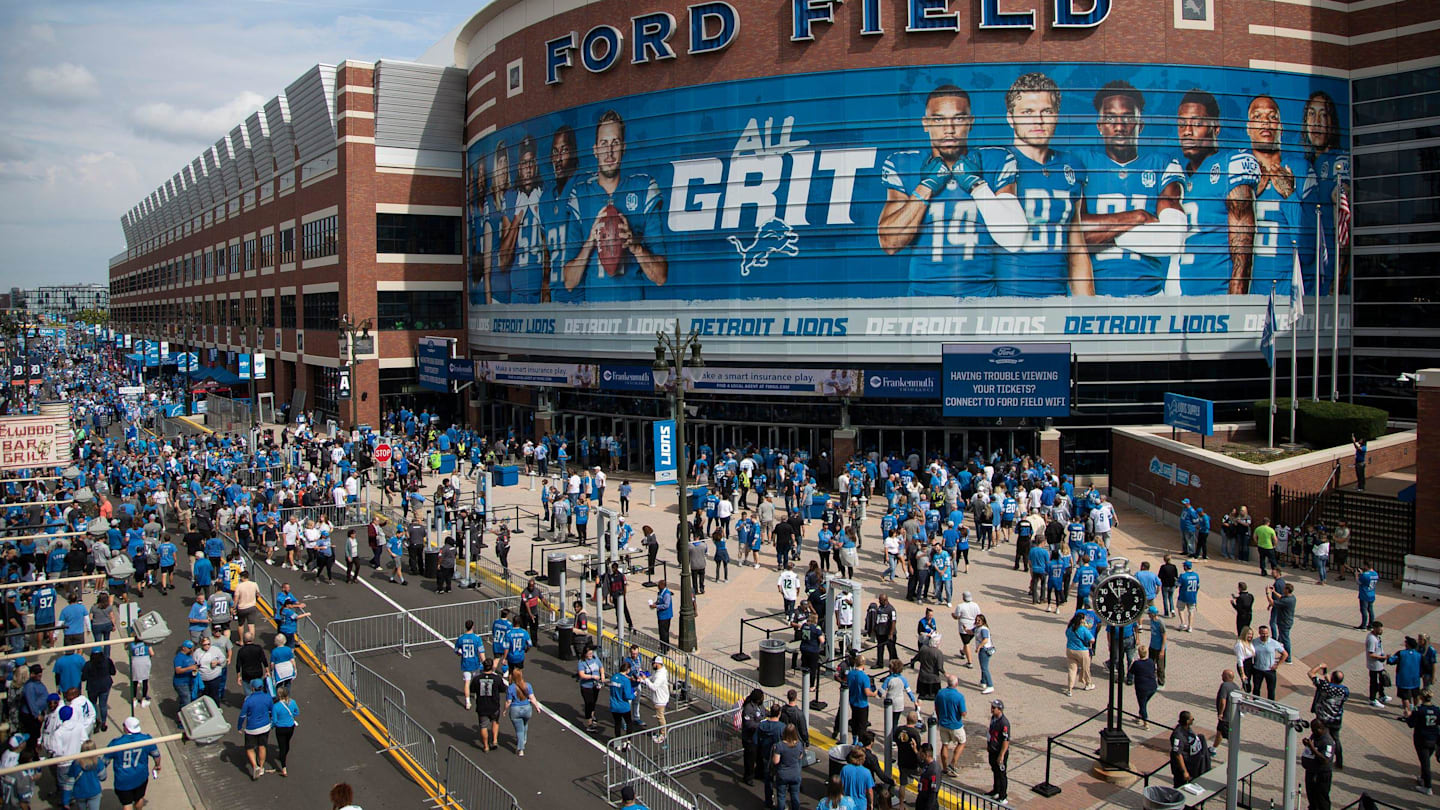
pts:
[339, 198]
[902, 225]
[927, 226]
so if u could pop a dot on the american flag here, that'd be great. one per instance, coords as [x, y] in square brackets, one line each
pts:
[1342, 217]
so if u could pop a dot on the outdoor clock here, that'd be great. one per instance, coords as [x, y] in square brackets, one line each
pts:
[1120, 599]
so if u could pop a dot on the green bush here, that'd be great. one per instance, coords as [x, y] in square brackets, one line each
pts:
[1324, 423]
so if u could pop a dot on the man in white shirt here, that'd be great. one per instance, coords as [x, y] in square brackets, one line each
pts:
[788, 584]
[290, 535]
[338, 495]
[965, 614]
[598, 485]
[1102, 520]
[352, 488]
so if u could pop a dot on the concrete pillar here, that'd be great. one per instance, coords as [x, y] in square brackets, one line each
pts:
[1427, 461]
[1050, 446]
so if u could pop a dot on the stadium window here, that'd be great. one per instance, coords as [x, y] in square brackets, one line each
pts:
[417, 234]
[419, 310]
[322, 310]
[287, 312]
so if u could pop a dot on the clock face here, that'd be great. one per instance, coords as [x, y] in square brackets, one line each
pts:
[1120, 599]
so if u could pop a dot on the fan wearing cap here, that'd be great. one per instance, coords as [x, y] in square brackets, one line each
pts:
[184, 669]
[658, 679]
[132, 772]
[1188, 598]
[254, 722]
[997, 746]
[19, 787]
[64, 740]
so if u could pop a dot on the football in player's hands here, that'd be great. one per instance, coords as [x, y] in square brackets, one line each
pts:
[610, 246]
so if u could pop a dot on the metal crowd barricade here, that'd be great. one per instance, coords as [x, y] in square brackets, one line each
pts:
[472, 788]
[689, 743]
[255, 476]
[339, 516]
[657, 789]
[954, 797]
[409, 735]
[371, 690]
[369, 634]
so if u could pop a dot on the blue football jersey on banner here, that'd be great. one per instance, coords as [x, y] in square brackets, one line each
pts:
[1048, 192]
[637, 197]
[528, 271]
[952, 253]
[1205, 265]
[1111, 188]
[1279, 223]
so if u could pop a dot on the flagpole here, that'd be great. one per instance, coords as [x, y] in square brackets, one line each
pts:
[1270, 433]
[1335, 326]
[1296, 296]
[1315, 355]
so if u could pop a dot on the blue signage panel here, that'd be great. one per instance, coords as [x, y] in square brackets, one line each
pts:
[461, 369]
[626, 378]
[1190, 413]
[432, 365]
[1002, 379]
[665, 451]
[902, 384]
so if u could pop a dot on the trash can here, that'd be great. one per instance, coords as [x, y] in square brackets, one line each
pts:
[432, 563]
[565, 637]
[838, 753]
[1161, 797]
[554, 564]
[772, 662]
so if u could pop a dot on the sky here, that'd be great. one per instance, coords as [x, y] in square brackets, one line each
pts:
[104, 101]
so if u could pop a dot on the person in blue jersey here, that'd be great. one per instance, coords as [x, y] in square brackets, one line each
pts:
[939, 208]
[637, 200]
[1286, 182]
[471, 649]
[1219, 202]
[1134, 221]
[527, 274]
[1049, 184]
[555, 213]
[1320, 137]
[475, 206]
[517, 643]
[498, 233]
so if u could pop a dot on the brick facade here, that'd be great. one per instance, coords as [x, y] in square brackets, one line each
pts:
[355, 188]
[1225, 483]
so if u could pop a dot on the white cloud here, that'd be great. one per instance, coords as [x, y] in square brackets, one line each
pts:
[168, 122]
[66, 82]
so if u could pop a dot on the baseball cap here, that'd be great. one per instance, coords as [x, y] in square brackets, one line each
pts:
[55, 696]
[132, 725]
[627, 794]
[1153, 610]
[1189, 565]
[257, 684]
[187, 644]
[1185, 500]
[999, 704]
[965, 596]
[17, 740]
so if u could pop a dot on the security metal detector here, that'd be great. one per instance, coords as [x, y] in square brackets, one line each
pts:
[834, 586]
[1242, 704]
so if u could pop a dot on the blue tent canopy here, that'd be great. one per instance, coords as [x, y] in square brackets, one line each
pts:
[219, 374]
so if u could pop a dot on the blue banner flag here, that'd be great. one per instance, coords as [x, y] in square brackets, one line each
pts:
[1267, 337]
[665, 462]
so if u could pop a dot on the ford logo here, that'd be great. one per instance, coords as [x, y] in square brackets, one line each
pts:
[1005, 351]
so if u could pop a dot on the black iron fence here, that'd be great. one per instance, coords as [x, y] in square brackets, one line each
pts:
[1382, 527]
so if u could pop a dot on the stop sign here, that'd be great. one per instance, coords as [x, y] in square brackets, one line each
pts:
[382, 454]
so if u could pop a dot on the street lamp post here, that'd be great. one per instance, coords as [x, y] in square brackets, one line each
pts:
[351, 329]
[673, 354]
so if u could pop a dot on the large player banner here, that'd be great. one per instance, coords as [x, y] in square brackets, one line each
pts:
[929, 201]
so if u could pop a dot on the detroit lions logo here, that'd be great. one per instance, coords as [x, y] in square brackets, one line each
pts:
[773, 237]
